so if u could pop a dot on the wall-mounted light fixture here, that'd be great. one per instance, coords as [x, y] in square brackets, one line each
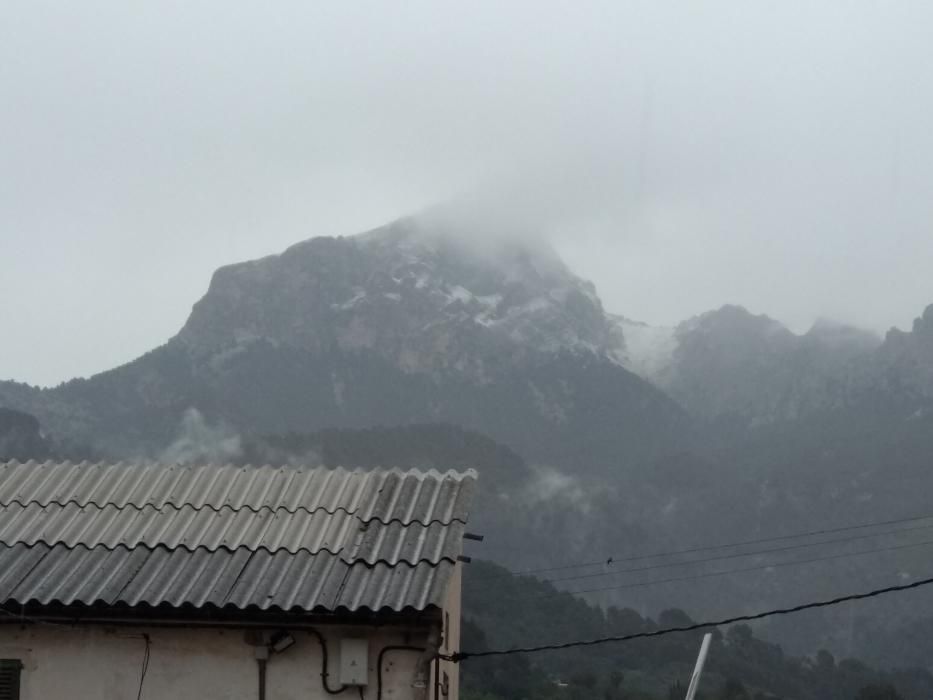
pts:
[280, 641]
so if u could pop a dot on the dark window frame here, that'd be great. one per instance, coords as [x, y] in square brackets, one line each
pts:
[10, 672]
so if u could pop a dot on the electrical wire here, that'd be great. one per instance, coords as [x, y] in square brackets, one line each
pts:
[760, 567]
[459, 656]
[726, 545]
[25, 618]
[324, 674]
[382, 653]
[738, 555]
[145, 666]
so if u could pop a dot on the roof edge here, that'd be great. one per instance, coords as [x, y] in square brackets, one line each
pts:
[165, 615]
[469, 473]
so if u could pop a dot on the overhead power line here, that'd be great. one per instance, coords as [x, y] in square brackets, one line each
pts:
[538, 594]
[705, 548]
[737, 555]
[462, 655]
[759, 567]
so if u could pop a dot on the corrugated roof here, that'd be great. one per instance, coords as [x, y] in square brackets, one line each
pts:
[238, 579]
[225, 536]
[384, 495]
[189, 528]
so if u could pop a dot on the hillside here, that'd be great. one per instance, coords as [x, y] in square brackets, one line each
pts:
[20, 437]
[524, 611]
[405, 324]
[415, 344]
[732, 365]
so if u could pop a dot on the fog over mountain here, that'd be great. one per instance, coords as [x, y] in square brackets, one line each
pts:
[596, 435]
[682, 158]
[728, 421]
[659, 271]
[412, 322]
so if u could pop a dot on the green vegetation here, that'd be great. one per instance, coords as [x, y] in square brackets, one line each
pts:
[502, 611]
[20, 437]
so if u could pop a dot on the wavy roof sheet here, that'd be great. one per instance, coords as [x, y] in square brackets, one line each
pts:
[238, 579]
[225, 536]
[384, 495]
[190, 528]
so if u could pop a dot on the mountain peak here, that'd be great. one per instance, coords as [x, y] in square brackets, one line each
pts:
[731, 362]
[921, 333]
[924, 324]
[731, 321]
[411, 322]
[907, 356]
[842, 336]
[420, 292]
[520, 255]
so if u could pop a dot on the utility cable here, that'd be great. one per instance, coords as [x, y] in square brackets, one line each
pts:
[382, 653]
[145, 666]
[760, 567]
[21, 618]
[693, 550]
[738, 555]
[324, 674]
[462, 655]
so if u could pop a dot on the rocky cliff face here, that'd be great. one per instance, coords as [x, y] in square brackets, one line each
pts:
[730, 363]
[420, 322]
[905, 360]
[409, 323]
[419, 296]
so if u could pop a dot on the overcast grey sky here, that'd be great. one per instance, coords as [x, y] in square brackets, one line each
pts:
[681, 154]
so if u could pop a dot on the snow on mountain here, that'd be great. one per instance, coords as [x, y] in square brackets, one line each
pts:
[646, 350]
[419, 321]
[730, 362]
[422, 303]
[425, 296]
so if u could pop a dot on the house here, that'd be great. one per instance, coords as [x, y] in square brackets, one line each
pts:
[149, 581]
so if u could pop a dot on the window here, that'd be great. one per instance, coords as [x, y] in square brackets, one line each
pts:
[9, 678]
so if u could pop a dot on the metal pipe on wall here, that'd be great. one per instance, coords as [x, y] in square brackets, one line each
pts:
[261, 664]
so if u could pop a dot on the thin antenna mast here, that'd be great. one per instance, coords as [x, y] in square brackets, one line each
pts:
[701, 660]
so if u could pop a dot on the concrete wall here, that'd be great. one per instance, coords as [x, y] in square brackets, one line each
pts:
[451, 636]
[96, 662]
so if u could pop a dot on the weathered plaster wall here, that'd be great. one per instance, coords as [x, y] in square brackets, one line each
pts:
[97, 662]
[451, 641]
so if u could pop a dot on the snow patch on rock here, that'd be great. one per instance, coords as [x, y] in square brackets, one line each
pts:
[647, 350]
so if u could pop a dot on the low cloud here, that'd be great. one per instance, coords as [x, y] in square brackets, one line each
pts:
[199, 441]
